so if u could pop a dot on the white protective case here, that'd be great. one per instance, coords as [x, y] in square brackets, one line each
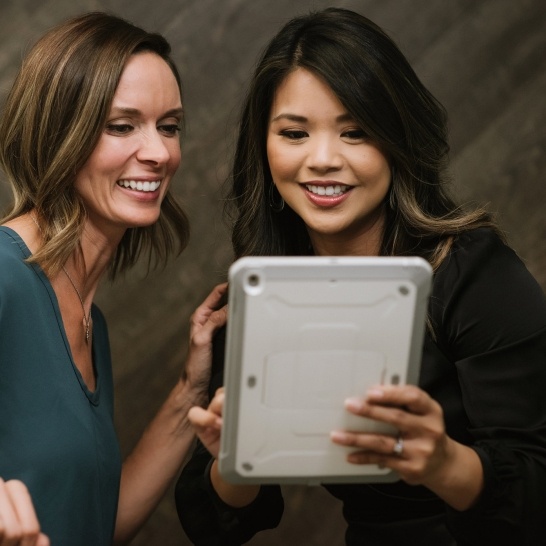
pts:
[304, 334]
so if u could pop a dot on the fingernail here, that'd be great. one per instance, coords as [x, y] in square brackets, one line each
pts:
[354, 404]
[375, 393]
[338, 436]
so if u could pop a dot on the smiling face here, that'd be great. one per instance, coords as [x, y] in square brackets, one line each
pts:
[325, 168]
[125, 179]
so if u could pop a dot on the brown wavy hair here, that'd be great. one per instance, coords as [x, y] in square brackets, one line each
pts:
[51, 122]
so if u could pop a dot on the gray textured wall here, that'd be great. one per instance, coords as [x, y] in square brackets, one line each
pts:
[484, 59]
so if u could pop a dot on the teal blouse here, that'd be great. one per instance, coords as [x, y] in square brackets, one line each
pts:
[56, 435]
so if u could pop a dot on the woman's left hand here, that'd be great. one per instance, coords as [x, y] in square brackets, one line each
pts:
[422, 449]
[205, 322]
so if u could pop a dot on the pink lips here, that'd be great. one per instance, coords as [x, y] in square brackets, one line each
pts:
[142, 196]
[331, 200]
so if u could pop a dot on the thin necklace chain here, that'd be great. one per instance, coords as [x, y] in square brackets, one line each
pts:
[86, 317]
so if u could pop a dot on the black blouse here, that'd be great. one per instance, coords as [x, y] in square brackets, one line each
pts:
[486, 366]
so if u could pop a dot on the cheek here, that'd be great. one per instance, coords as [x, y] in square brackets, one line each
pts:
[373, 166]
[109, 154]
[175, 153]
[282, 163]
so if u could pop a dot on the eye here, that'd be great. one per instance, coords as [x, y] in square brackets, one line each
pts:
[119, 128]
[169, 129]
[354, 134]
[293, 134]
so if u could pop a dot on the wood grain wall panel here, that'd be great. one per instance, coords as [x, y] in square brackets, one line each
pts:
[484, 59]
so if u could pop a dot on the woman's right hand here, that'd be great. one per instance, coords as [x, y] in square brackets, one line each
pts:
[208, 422]
[18, 522]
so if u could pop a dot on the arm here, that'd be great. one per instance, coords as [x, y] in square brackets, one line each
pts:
[208, 426]
[495, 317]
[157, 458]
[507, 412]
[429, 456]
[489, 316]
[212, 511]
[207, 520]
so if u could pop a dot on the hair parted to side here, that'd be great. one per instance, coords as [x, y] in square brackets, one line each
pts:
[51, 122]
[374, 81]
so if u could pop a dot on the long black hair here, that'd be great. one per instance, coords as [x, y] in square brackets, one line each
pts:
[376, 84]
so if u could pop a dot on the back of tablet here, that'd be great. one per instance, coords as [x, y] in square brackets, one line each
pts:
[304, 334]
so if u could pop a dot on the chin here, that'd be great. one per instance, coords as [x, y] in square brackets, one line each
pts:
[146, 224]
[144, 220]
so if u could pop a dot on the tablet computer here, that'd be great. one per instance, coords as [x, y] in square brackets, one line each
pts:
[304, 334]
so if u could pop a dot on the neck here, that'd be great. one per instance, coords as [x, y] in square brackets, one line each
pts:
[365, 241]
[86, 265]
[89, 266]
[78, 280]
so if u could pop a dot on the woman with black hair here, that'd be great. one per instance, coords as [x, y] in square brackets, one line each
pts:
[343, 151]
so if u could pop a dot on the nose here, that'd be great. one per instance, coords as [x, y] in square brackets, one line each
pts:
[323, 154]
[152, 148]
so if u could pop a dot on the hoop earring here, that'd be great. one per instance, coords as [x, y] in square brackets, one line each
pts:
[277, 205]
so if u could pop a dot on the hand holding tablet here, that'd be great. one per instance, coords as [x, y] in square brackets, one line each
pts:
[304, 334]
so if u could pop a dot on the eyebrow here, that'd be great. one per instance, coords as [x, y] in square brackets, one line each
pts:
[302, 119]
[175, 112]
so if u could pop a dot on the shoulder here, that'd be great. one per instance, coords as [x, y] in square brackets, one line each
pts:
[13, 253]
[10, 244]
[480, 259]
[483, 291]
[476, 249]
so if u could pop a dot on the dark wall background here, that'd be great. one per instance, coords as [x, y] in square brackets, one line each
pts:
[484, 59]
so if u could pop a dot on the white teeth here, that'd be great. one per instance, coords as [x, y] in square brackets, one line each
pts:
[140, 186]
[327, 190]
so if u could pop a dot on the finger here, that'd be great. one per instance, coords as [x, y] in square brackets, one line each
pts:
[204, 328]
[383, 460]
[216, 319]
[24, 509]
[372, 448]
[377, 443]
[217, 403]
[19, 519]
[43, 540]
[411, 397]
[203, 419]
[401, 407]
[398, 418]
[10, 530]
[212, 302]
[215, 296]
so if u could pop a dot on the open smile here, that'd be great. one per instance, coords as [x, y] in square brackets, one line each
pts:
[138, 185]
[329, 190]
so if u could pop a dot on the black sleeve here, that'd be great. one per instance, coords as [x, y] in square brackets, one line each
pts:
[205, 518]
[491, 315]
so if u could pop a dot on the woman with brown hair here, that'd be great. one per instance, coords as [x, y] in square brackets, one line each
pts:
[89, 143]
